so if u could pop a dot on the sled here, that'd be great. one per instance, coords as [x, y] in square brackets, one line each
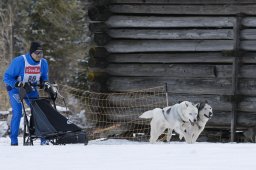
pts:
[45, 122]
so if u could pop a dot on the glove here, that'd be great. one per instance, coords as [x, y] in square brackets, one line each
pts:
[47, 86]
[27, 86]
[18, 84]
[41, 83]
[53, 93]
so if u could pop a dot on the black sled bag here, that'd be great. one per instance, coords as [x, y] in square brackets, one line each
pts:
[50, 124]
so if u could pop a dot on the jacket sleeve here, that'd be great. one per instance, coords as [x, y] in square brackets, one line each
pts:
[44, 72]
[13, 72]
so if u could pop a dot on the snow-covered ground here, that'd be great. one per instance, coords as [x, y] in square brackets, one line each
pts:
[127, 155]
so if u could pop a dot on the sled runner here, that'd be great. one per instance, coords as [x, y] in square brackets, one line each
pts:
[45, 122]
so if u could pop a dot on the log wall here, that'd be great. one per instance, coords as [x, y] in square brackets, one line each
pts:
[190, 45]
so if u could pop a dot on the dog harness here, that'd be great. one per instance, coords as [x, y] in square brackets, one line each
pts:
[164, 114]
[182, 119]
[168, 111]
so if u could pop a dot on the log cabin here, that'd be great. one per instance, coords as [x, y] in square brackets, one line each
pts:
[202, 49]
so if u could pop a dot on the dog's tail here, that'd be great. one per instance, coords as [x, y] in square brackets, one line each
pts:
[150, 113]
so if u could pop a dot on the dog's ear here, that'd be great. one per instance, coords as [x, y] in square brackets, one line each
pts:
[197, 105]
[186, 104]
[206, 101]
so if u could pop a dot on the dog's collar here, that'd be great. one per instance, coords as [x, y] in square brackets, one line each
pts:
[199, 127]
[168, 111]
[182, 119]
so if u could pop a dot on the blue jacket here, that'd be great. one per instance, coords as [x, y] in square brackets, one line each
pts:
[16, 69]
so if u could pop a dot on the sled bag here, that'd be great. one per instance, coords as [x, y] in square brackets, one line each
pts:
[72, 138]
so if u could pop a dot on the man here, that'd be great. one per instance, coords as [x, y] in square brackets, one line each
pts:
[30, 68]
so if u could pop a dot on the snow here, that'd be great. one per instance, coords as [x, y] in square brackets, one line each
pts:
[62, 109]
[128, 155]
[3, 128]
[4, 112]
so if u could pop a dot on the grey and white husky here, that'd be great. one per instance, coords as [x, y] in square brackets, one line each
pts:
[192, 132]
[172, 117]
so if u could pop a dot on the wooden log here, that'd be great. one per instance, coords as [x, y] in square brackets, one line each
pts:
[218, 119]
[101, 38]
[216, 9]
[248, 45]
[175, 85]
[248, 104]
[218, 102]
[182, 2]
[96, 62]
[95, 86]
[97, 76]
[137, 100]
[246, 119]
[168, 22]
[249, 22]
[97, 80]
[195, 57]
[216, 86]
[99, 2]
[179, 70]
[127, 115]
[247, 87]
[130, 46]
[247, 71]
[248, 34]
[98, 52]
[249, 58]
[97, 27]
[171, 34]
[95, 69]
[98, 13]
[167, 70]
[224, 119]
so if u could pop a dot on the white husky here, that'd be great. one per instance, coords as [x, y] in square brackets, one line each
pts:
[172, 117]
[205, 113]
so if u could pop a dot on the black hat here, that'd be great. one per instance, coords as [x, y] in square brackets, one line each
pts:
[35, 46]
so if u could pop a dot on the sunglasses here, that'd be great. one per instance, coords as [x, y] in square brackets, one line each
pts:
[39, 52]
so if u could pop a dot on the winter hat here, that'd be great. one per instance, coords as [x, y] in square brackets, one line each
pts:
[35, 46]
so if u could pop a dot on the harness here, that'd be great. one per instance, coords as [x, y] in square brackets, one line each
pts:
[182, 119]
[168, 111]
[164, 114]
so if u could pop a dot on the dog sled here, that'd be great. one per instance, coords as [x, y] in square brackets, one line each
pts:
[45, 122]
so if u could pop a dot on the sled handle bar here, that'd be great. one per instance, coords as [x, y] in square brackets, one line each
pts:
[38, 85]
[36, 98]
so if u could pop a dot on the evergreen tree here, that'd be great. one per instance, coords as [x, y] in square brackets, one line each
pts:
[60, 25]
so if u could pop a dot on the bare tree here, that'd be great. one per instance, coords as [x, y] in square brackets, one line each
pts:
[6, 45]
[6, 36]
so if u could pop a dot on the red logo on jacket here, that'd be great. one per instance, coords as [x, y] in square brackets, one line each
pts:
[32, 70]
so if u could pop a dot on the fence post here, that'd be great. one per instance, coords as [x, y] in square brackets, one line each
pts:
[166, 94]
[235, 71]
